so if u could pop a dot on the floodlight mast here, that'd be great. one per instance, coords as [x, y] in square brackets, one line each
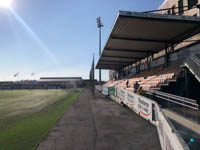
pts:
[99, 25]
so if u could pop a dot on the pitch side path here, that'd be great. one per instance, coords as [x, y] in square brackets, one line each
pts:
[100, 124]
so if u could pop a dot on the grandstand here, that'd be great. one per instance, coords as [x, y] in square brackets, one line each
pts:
[154, 73]
[61, 82]
[44, 83]
[160, 51]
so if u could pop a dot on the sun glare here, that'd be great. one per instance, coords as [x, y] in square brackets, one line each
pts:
[5, 3]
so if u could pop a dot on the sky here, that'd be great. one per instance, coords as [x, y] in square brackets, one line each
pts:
[57, 37]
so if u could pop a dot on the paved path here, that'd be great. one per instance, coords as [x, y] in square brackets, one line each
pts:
[100, 124]
[181, 120]
[186, 128]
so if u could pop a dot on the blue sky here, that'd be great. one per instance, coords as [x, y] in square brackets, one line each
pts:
[60, 36]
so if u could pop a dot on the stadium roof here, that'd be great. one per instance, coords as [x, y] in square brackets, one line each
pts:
[135, 35]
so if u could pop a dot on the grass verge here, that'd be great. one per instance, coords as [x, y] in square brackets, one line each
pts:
[27, 131]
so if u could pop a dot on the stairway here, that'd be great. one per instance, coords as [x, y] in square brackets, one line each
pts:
[193, 64]
[178, 87]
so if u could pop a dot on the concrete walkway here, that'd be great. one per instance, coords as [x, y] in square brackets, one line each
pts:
[183, 121]
[186, 128]
[100, 124]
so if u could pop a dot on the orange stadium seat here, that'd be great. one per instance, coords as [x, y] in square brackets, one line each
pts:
[149, 79]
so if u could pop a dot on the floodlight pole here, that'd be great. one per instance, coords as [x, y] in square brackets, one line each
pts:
[99, 25]
[100, 53]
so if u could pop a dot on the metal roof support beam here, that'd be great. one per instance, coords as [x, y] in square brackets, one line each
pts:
[122, 62]
[129, 68]
[171, 48]
[148, 63]
[152, 57]
[138, 65]
[137, 58]
[141, 40]
[110, 68]
[109, 65]
[120, 65]
[166, 56]
[140, 62]
[127, 50]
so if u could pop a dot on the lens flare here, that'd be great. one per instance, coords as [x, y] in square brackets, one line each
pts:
[5, 3]
[34, 36]
[192, 140]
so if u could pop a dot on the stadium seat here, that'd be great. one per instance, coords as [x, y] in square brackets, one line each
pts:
[149, 79]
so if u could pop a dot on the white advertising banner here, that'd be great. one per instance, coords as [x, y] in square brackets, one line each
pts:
[136, 102]
[121, 93]
[132, 100]
[144, 107]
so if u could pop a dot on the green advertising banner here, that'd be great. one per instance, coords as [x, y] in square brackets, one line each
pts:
[112, 91]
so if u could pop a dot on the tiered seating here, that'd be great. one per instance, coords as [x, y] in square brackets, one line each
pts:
[121, 84]
[152, 79]
[109, 83]
[112, 83]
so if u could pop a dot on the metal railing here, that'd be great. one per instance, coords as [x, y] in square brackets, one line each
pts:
[198, 56]
[185, 107]
[193, 63]
[196, 59]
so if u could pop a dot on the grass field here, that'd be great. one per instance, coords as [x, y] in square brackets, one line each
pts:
[26, 116]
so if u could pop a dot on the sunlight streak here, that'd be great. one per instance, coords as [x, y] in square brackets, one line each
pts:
[43, 46]
[5, 3]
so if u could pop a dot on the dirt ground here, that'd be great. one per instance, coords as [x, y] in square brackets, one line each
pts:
[100, 124]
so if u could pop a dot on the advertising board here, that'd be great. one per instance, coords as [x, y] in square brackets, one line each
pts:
[112, 91]
[144, 107]
[122, 93]
[132, 100]
[138, 103]
[105, 90]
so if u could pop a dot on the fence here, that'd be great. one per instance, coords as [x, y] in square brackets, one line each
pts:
[193, 63]
[185, 107]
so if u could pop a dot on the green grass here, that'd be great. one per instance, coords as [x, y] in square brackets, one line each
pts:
[26, 129]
